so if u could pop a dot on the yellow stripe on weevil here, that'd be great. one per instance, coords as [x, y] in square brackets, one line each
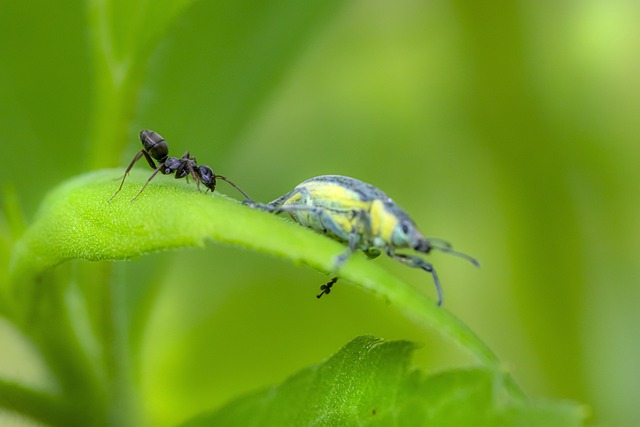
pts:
[296, 198]
[344, 205]
[338, 203]
[343, 220]
[383, 222]
[335, 196]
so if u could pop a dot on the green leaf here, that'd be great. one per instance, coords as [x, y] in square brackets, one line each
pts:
[77, 221]
[369, 382]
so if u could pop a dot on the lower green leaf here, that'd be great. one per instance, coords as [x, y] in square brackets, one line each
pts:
[370, 382]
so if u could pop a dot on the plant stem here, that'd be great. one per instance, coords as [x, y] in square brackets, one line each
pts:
[38, 405]
[123, 408]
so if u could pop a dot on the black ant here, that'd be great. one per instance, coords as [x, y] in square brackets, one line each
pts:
[155, 147]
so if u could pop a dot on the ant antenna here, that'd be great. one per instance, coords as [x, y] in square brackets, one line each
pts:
[246, 196]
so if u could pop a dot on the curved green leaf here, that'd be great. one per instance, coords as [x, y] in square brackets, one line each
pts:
[369, 382]
[77, 221]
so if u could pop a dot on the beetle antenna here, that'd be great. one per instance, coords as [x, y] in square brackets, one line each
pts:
[448, 250]
[247, 198]
[441, 242]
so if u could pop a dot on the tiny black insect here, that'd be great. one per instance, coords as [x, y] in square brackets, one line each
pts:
[326, 288]
[156, 148]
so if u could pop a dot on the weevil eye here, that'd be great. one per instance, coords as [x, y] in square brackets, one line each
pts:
[402, 234]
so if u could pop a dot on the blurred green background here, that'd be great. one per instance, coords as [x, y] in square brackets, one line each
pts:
[509, 128]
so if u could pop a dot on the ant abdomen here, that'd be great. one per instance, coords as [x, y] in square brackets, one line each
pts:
[154, 144]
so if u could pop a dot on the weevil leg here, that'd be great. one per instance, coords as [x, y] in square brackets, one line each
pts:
[327, 222]
[267, 207]
[275, 209]
[372, 253]
[352, 247]
[280, 200]
[277, 206]
[271, 206]
[417, 262]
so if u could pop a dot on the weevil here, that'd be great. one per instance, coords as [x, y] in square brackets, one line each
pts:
[154, 147]
[362, 216]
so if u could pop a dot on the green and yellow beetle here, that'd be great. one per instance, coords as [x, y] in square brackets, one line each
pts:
[362, 216]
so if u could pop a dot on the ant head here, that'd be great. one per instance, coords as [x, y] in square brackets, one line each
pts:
[207, 177]
[154, 144]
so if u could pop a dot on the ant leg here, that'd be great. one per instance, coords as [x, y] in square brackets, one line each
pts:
[191, 165]
[417, 262]
[194, 174]
[149, 159]
[126, 172]
[185, 168]
[326, 288]
[155, 172]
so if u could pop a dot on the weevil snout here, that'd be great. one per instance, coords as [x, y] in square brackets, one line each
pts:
[422, 245]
